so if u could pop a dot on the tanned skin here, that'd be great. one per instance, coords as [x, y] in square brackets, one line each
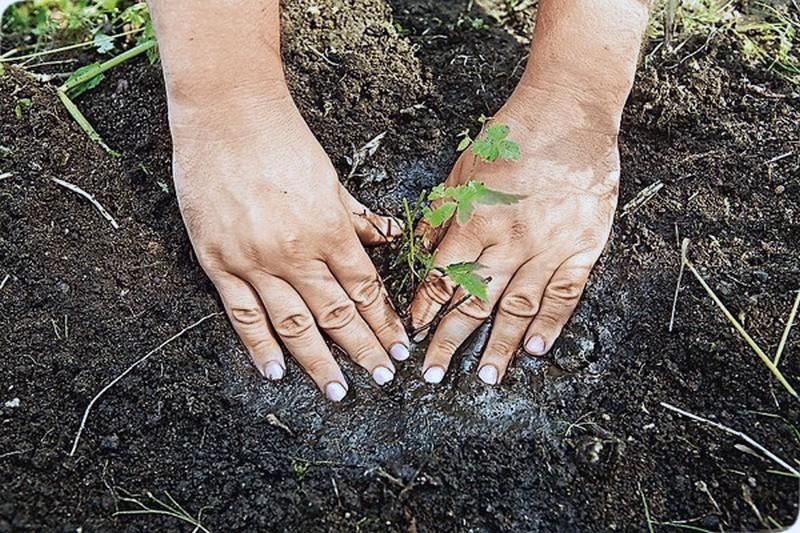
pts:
[282, 240]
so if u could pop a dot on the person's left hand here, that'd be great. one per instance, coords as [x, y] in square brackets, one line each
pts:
[538, 252]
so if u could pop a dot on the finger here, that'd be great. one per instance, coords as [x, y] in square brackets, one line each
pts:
[429, 237]
[337, 315]
[458, 324]
[249, 319]
[560, 298]
[437, 290]
[515, 311]
[371, 229]
[294, 324]
[356, 274]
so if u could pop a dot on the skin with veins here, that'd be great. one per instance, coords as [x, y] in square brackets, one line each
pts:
[565, 115]
[282, 239]
[269, 221]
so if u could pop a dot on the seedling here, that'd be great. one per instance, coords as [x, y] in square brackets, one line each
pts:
[22, 105]
[459, 201]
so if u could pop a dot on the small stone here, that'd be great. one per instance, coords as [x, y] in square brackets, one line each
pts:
[779, 189]
[109, 443]
[761, 276]
[11, 404]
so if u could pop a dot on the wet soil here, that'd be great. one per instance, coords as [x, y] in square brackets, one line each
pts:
[573, 442]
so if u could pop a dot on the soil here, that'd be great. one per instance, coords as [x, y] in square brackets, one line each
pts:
[573, 442]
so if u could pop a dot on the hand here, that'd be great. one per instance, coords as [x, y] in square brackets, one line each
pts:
[279, 236]
[538, 252]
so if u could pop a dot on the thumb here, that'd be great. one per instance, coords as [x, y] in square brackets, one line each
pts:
[371, 229]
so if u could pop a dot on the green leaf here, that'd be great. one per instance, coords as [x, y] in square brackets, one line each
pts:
[440, 215]
[91, 83]
[497, 132]
[463, 275]
[464, 144]
[438, 193]
[103, 43]
[485, 149]
[509, 150]
[464, 212]
[487, 196]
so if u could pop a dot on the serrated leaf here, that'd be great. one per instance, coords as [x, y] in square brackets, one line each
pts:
[497, 132]
[91, 83]
[463, 275]
[485, 149]
[509, 150]
[464, 144]
[437, 217]
[438, 193]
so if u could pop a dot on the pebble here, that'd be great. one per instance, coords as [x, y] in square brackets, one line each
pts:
[12, 403]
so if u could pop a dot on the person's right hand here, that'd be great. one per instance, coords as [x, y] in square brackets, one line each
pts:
[282, 239]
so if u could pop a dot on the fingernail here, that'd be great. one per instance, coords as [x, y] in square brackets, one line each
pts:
[535, 345]
[433, 375]
[273, 370]
[488, 374]
[335, 391]
[419, 337]
[399, 352]
[382, 375]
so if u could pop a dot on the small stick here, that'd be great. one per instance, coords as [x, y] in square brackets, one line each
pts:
[737, 433]
[94, 202]
[126, 372]
[5, 280]
[740, 329]
[5, 175]
[789, 323]
[684, 248]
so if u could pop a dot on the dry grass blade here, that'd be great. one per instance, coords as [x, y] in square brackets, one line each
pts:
[126, 372]
[787, 329]
[74, 188]
[735, 323]
[737, 433]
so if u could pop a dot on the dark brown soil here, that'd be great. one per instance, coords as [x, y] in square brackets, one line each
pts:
[572, 443]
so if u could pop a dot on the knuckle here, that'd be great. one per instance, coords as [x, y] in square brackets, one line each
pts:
[438, 289]
[317, 366]
[445, 347]
[367, 292]
[475, 308]
[247, 316]
[361, 354]
[519, 305]
[564, 291]
[295, 325]
[499, 349]
[262, 345]
[337, 315]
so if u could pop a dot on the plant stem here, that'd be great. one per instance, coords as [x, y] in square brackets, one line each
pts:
[107, 65]
[8, 59]
[76, 114]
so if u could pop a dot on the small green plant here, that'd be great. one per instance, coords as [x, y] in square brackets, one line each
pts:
[459, 202]
[22, 105]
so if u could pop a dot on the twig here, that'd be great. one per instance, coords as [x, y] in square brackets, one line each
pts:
[5, 175]
[739, 328]
[644, 196]
[94, 202]
[737, 433]
[684, 248]
[5, 280]
[127, 371]
[646, 509]
[789, 323]
[9, 56]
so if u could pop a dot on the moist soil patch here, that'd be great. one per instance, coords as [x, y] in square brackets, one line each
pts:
[571, 442]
